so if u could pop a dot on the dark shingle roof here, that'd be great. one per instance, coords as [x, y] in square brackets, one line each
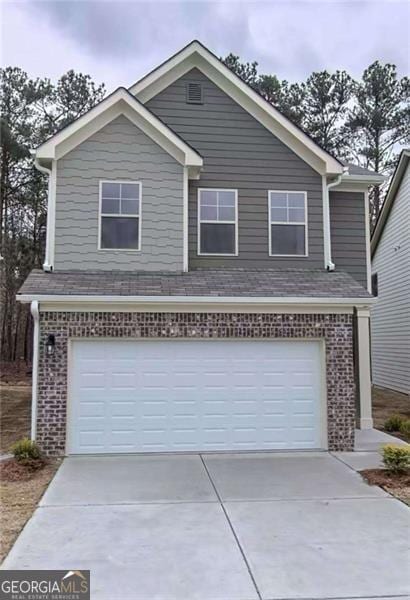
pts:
[356, 170]
[216, 282]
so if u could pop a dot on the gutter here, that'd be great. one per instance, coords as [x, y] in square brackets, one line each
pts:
[36, 340]
[215, 300]
[47, 266]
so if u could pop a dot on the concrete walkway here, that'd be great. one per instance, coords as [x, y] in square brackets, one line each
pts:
[219, 527]
[368, 445]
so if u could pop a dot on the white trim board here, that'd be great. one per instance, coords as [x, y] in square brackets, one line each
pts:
[193, 300]
[101, 214]
[394, 187]
[118, 103]
[305, 224]
[199, 308]
[200, 221]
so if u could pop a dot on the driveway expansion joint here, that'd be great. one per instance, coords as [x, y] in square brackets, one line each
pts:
[231, 528]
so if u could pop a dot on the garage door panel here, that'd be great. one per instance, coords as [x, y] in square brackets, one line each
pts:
[93, 381]
[92, 409]
[92, 440]
[191, 395]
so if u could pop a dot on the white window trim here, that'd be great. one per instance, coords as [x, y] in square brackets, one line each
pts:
[199, 221]
[305, 223]
[100, 215]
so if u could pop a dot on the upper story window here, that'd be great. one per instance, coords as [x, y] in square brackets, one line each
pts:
[120, 215]
[218, 222]
[287, 223]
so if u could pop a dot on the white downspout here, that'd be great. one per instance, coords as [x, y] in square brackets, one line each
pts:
[185, 220]
[329, 264]
[48, 263]
[36, 341]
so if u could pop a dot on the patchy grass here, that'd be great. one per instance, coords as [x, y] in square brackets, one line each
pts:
[396, 484]
[387, 403]
[20, 497]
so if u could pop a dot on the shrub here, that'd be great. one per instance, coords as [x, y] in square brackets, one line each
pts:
[396, 458]
[405, 429]
[393, 423]
[26, 449]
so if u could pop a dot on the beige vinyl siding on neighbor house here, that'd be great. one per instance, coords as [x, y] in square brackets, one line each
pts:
[348, 233]
[119, 151]
[239, 153]
[390, 317]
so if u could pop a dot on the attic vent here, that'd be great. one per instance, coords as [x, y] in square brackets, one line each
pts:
[194, 93]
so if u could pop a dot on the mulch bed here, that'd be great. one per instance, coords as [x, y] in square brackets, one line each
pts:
[397, 484]
[397, 434]
[23, 470]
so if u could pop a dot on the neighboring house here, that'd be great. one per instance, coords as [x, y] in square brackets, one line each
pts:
[390, 316]
[206, 274]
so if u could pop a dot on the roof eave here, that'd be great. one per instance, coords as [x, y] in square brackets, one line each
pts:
[390, 196]
[376, 179]
[256, 300]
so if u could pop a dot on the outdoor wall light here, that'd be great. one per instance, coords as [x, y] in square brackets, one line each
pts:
[51, 342]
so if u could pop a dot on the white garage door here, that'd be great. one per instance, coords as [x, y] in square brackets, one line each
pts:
[188, 395]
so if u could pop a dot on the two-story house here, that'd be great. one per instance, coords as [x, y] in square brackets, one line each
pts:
[205, 285]
[390, 316]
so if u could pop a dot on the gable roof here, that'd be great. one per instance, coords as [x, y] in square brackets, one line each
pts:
[398, 174]
[120, 102]
[196, 55]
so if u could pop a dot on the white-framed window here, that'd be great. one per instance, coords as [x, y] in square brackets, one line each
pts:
[288, 234]
[217, 222]
[120, 215]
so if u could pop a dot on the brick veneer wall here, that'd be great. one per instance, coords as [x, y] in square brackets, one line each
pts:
[335, 329]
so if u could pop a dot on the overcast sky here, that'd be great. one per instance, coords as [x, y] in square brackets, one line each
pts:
[118, 42]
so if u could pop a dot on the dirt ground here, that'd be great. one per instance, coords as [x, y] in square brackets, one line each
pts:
[388, 402]
[15, 399]
[18, 500]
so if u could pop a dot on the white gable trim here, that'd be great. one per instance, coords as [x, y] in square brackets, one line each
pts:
[197, 56]
[118, 103]
[394, 187]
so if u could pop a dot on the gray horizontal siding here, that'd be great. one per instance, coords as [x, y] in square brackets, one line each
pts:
[240, 153]
[348, 233]
[119, 151]
[390, 316]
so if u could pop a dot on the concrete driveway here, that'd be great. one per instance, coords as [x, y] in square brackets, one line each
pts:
[219, 527]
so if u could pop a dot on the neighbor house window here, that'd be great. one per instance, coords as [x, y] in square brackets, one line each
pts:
[287, 223]
[375, 285]
[218, 222]
[120, 215]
